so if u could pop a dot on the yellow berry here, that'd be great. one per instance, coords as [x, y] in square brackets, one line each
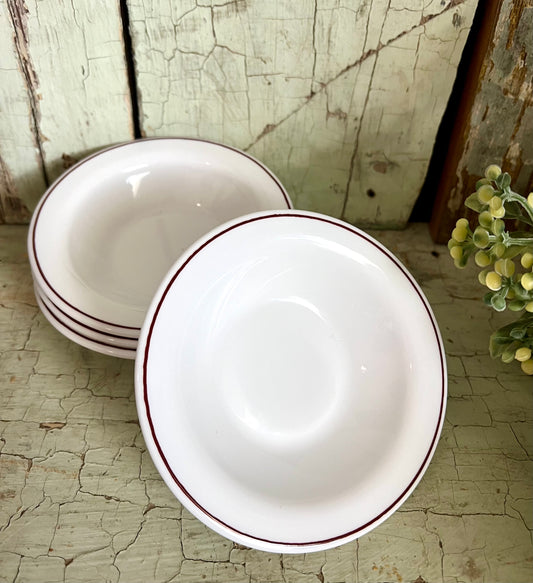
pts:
[459, 234]
[522, 354]
[481, 237]
[498, 249]
[462, 223]
[505, 267]
[484, 193]
[498, 227]
[530, 199]
[482, 259]
[527, 366]
[482, 277]
[485, 219]
[456, 252]
[498, 213]
[493, 281]
[511, 295]
[529, 307]
[527, 281]
[492, 172]
[495, 203]
[527, 260]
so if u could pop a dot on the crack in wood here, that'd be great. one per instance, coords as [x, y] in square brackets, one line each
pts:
[357, 63]
[18, 13]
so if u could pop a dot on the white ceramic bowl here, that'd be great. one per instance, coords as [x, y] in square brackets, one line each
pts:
[82, 340]
[82, 329]
[290, 381]
[106, 232]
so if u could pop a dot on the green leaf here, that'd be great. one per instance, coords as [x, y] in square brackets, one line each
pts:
[500, 340]
[513, 210]
[498, 302]
[472, 202]
[505, 180]
[513, 251]
[518, 333]
[487, 298]
[516, 305]
[497, 345]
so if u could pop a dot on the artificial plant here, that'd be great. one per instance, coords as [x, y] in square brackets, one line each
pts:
[502, 246]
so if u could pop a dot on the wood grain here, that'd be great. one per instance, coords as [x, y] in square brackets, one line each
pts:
[65, 87]
[341, 99]
[495, 120]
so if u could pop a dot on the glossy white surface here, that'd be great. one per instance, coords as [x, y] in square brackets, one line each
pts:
[83, 330]
[106, 232]
[290, 381]
[86, 342]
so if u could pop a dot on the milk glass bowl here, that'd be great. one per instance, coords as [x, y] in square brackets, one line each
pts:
[106, 232]
[290, 381]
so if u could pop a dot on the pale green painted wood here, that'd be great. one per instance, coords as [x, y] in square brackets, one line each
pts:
[78, 55]
[338, 98]
[75, 98]
[21, 176]
[406, 99]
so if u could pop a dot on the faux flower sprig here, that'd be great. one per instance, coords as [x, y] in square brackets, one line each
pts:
[506, 259]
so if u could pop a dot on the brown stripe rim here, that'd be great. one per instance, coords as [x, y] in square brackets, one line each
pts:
[53, 318]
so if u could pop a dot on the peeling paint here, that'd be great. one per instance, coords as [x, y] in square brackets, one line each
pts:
[19, 15]
[12, 209]
[81, 499]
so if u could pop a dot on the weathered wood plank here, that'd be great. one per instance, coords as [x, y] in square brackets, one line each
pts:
[496, 119]
[21, 173]
[338, 98]
[78, 55]
[71, 63]
[410, 88]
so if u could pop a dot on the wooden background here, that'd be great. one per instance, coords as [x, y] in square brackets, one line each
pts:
[342, 99]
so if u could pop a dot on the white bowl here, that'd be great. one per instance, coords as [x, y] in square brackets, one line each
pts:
[86, 342]
[290, 381]
[82, 329]
[106, 232]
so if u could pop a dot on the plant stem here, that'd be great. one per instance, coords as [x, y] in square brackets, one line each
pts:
[509, 241]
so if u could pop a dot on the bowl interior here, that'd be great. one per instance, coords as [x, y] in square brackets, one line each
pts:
[302, 395]
[127, 213]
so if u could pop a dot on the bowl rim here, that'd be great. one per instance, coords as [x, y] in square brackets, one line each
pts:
[99, 346]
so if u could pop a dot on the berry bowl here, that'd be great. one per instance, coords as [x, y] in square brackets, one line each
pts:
[105, 233]
[290, 381]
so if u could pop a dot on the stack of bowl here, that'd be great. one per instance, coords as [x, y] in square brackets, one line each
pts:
[290, 376]
[106, 232]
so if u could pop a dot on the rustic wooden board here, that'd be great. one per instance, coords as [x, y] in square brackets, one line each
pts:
[68, 59]
[495, 121]
[341, 99]
[21, 173]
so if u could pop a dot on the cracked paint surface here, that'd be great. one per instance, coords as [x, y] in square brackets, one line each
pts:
[342, 100]
[339, 98]
[80, 499]
[64, 92]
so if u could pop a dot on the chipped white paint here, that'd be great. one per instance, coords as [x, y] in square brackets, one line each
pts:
[21, 176]
[341, 99]
[80, 499]
[78, 46]
[407, 96]
[64, 87]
